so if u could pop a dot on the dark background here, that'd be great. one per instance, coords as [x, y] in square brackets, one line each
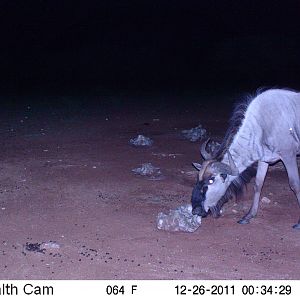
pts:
[88, 47]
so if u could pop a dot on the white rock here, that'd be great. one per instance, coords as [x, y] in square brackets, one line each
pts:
[179, 219]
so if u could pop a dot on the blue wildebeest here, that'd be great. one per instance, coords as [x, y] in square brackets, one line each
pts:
[263, 130]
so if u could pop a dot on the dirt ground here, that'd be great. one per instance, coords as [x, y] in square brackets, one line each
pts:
[66, 177]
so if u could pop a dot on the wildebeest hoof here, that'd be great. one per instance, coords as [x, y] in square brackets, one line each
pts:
[296, 226]
[243, 221]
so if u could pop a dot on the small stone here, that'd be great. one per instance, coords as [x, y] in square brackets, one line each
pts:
[265, 200]
[141, 140]
[194, 134]
[50, 245]
[147, 169]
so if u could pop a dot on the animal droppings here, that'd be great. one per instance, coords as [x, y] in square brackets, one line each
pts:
[34, 247]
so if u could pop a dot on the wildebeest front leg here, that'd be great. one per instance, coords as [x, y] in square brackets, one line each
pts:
[262, 169]
[293, 174]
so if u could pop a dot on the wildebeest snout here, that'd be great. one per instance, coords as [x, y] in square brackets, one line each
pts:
[198, 198]
[198, 210]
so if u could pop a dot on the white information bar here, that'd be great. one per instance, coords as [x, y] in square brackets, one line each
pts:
[158, 289]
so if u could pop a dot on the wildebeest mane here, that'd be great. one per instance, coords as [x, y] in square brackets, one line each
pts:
[235, 188]
[236, 120]
[235, 123]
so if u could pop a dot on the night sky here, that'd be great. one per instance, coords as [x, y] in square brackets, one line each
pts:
[69, 47]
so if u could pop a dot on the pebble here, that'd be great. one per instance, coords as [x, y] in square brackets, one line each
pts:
[265, 200]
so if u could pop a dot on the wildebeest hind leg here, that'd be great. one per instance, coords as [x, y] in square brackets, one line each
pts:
[293, 174]
[262, 169]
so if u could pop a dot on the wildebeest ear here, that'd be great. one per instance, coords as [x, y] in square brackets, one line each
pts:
[197, 166]
[224, 176]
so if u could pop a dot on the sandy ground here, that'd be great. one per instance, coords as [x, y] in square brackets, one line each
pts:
[66, 177]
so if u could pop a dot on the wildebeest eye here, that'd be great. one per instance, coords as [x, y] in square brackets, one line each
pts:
[211, 180]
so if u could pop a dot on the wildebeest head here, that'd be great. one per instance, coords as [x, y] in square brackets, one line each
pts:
[212, 183]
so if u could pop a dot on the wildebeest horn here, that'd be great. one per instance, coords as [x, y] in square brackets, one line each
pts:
[203, 151]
